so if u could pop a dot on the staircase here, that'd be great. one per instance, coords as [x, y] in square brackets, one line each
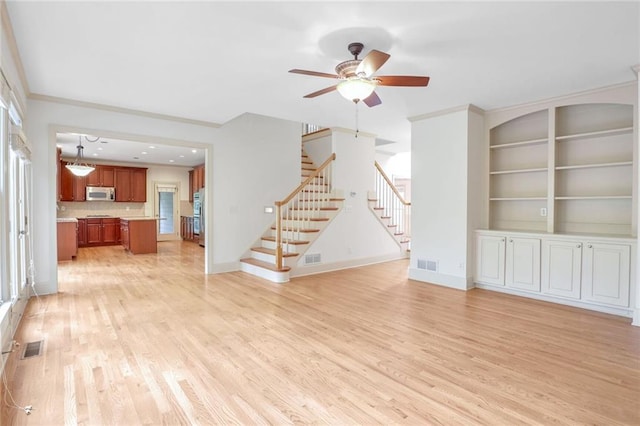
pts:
[300, 218]
[393, 212]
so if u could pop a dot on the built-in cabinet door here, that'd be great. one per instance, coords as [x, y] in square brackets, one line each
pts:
[94, 231]
[490, 259]
[123, 185]
[561, 268]
[606, 275]
[523, 264]
[109, 230]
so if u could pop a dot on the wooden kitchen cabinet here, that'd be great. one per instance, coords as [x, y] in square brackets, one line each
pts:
[131, 184]
[139, 235]
[72, 188]
[102, 231]
[82, 232]
[186, 228]
[102, 176]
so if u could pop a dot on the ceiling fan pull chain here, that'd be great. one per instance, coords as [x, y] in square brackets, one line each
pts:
[357, 125]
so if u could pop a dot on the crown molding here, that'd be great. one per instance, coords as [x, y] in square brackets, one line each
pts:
[83, 104]
[467, 107]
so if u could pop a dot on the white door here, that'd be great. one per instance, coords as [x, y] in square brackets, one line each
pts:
[606, 273]
[490, 259]
[167, 211]
[561, 269]
[523, 264]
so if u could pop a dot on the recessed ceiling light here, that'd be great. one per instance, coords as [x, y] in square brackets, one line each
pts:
[194, 150]
[95, 154]
[99, 148]
[182, 156]
[172, 161]
[152, 147]
[144, 152]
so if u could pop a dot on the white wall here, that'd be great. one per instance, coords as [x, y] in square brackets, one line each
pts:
[441, 229]
[256, 161]
[355, 237]
[44, 120]
[318, 147]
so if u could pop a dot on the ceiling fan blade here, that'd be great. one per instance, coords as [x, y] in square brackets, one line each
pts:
[402, 80]
[314, 73]
[321, 92]
[372, 62]
[372, 100]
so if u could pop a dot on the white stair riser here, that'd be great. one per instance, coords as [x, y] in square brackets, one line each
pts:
[304, 236]
[316, 204]
[289, 248]
[276, 277]
[270, 258]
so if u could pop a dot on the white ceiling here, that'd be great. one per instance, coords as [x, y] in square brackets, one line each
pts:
[212, 61]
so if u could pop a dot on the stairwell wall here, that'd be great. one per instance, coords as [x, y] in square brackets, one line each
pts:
[355, 237]
[256, 161]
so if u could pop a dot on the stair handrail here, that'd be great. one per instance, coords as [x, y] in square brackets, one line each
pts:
[393, 205]
[295, 194]
[391, 185]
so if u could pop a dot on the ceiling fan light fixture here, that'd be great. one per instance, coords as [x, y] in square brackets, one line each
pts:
[356, 89]
[79, 167]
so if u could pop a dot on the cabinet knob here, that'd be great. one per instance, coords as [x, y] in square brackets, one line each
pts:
[503, 239]
[589, 246]
[578, 245]
[510, 240]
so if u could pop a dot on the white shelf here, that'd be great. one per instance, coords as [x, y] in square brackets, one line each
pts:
[597, 197]
[506, 172]
[591, 166]
[518, 199]
[521, 143]
[601, 133]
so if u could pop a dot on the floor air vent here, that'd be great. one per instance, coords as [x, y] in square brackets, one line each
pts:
[429, 265]
[32, 349]
[312, 258]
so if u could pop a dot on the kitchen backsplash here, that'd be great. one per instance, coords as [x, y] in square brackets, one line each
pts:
[83, 209]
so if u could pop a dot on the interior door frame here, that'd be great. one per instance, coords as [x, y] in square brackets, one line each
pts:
[176, 213]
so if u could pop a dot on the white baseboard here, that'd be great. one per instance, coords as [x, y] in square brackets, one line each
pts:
[219, 268]
[636, 317]
[301, 271]
[459, 283]
[623, 312]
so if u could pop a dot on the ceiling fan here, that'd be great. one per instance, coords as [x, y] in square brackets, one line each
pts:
[357, 80]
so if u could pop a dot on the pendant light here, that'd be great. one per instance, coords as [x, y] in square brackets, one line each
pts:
[79, 167]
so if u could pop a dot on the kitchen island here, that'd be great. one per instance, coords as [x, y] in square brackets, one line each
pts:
[67, 230]
[138, 234]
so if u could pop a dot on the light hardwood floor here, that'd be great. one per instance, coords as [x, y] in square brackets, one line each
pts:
[149, 339]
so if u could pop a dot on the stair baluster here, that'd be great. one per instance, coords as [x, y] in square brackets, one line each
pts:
[300, 207]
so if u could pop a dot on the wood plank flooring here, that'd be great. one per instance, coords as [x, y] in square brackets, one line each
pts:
[149, 339]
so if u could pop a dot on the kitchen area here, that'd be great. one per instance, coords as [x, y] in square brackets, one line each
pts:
[114, 204]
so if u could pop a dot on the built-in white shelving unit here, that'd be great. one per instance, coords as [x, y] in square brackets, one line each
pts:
[562, 202]
[565, 169]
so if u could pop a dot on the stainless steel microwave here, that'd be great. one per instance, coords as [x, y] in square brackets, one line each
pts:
[97, 193]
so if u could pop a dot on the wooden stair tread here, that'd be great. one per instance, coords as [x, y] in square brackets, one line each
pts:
[312, 209]
[265, 265]
[378, 208]
[272, 252]
[293, 230]
[313, 219]
[292, 242]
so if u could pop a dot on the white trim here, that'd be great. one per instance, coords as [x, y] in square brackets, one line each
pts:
[301, 271]
[443, 280]
[221, 268]
[555, 300]
[83, 104]
[467, 107]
